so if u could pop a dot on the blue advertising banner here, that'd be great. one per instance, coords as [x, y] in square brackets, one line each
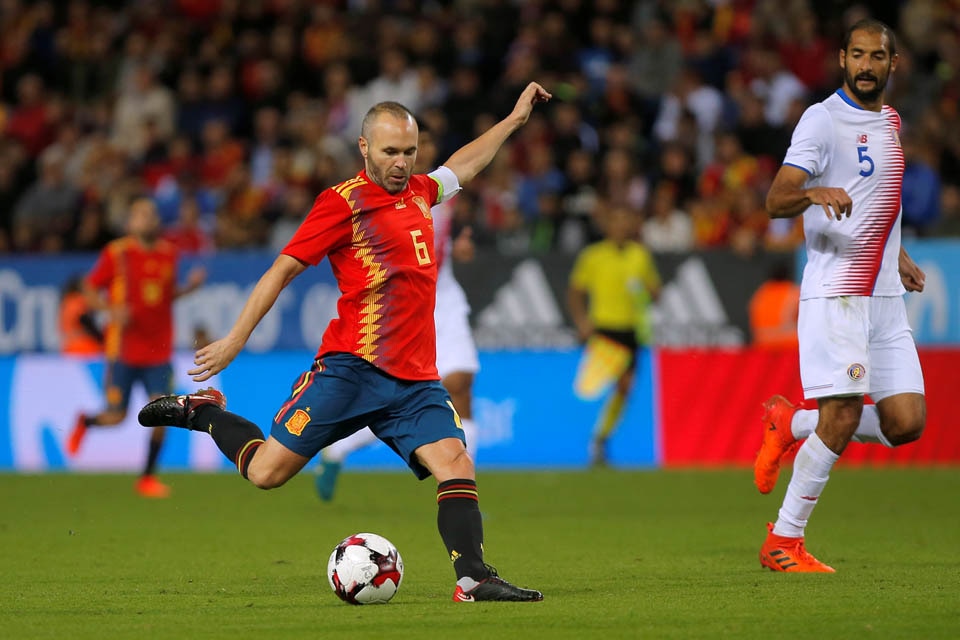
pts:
[518, 302]
[526, 413]
[30, 292]
[935, 313]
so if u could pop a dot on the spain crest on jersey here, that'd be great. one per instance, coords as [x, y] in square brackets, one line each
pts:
[421, 202]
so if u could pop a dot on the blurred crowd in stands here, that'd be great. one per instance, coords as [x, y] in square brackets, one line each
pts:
[234, 114]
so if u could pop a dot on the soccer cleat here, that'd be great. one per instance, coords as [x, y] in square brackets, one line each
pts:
[493, 588]
[150, 487]
[777, 440]
[176, 411]
[326, 480]
[76, 436]
[780, 553]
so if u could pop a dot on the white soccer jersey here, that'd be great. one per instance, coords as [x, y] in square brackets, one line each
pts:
[456, 351]
[842, 145]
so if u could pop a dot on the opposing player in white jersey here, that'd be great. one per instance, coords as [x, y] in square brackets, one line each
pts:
[843, 172]
[457, 361]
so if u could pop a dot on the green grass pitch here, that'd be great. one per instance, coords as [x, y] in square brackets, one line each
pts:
[617, 554]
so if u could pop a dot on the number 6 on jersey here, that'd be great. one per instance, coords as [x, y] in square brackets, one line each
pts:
[423, 254]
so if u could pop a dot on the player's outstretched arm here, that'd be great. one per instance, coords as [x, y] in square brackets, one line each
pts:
[195, 280]
[788, 196]
[473, 157]
[214, 358]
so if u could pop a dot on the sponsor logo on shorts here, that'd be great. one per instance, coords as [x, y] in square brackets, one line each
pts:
[856, 371]
[297, 422]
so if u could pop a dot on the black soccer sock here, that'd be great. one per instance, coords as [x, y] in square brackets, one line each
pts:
[237, 437]
[461, 527]
[153, 452]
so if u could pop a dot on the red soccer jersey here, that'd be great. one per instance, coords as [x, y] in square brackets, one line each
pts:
[143, 280]
[381, 250]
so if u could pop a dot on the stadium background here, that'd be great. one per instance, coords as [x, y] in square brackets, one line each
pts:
[233, 114]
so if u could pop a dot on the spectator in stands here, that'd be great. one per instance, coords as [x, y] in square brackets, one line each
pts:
[191, 110]
[704, 102]
[597, 55]
[921, 186]
[145, 103]
[68, 76]
[579, 196]
[655, 63]
[340, 97]
[220, 155]
[396, 81]
[222, 103]
[620, 183]
[46, 212]
[513, 235]
[187, 233]
[773, 82]
[711, 222]
[807, 54]
[757, 136]
[267, 123]
[675, 165]
[543, 178]
[241, 220]
[325, 39]
[32, 120]
[11, 186]
[571, 132]
[667, 228]
[92, 232]
[749, 221]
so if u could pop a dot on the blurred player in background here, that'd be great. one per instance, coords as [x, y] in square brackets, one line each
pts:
[134, 281]
[844, 173]
[612, 284]
[376, 365]
[457, 361]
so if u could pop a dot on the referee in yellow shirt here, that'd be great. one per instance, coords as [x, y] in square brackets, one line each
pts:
[611, 286]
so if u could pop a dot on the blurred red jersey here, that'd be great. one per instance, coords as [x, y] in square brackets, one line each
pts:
[144, 280]
[380, 247]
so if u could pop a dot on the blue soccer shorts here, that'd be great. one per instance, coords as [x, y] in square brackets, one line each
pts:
[343, 393]
[157, 380]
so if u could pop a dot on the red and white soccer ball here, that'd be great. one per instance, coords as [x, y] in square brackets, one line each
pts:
[365, 569]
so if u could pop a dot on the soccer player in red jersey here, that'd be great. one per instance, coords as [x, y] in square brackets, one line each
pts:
[135, 282]
[376, 364]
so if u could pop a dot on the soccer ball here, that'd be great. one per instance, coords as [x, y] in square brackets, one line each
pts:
[365, 569]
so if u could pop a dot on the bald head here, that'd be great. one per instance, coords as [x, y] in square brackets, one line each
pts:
[388, 144]
[392, 109]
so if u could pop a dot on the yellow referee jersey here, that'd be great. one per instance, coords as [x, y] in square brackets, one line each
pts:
[617, 281]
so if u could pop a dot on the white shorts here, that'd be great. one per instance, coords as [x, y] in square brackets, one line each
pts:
[857, 345]
[456, 351]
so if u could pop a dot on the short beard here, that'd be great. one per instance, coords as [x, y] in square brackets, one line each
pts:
[382, 182]
[867, 97]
